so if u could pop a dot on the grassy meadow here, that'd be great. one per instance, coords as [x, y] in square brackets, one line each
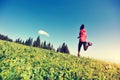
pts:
[20, 62]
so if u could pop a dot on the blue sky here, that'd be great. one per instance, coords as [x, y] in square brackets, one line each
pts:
[62, 20]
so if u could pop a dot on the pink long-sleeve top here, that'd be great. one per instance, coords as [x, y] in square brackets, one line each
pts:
[82, 35]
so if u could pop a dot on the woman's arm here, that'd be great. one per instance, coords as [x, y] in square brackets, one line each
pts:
[79, 35]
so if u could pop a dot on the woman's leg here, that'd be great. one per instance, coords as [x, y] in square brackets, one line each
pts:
[85, 45]
[79, 47]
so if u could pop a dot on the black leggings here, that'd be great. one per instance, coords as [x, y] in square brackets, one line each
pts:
[84, 46]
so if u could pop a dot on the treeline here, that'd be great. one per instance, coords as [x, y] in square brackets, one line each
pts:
[63, 49]
[3, 37]
[37, 43]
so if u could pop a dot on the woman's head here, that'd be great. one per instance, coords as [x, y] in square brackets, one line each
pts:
[82, 27]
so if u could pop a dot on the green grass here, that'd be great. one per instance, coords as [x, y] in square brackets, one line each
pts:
[19, 62]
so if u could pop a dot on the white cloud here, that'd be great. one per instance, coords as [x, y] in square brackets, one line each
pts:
[42, 32]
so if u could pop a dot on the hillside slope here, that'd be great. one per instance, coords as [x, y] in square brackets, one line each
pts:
[19, 62]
